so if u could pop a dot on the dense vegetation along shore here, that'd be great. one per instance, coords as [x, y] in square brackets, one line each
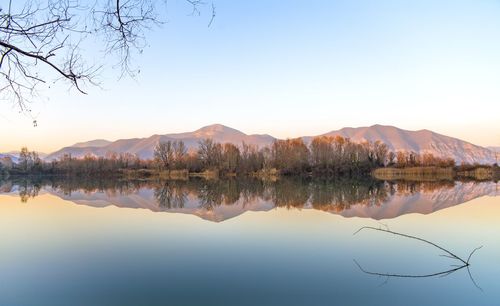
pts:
[323, 157]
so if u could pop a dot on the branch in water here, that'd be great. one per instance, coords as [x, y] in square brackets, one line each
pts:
[449, 254]
[442, 273]
[416, 238]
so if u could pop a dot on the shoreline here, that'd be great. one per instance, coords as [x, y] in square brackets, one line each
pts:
[477, 173]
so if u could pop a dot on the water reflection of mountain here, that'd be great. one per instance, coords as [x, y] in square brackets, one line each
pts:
[218, 200]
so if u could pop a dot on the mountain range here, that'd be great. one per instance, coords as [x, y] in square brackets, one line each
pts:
[144, 147]
[421, 141]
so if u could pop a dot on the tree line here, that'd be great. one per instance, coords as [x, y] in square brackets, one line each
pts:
[323, 156]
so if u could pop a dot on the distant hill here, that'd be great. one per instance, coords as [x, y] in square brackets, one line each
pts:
[14, 155]
[422, 141]
[93, 143]
[144, 147]
[13, 158]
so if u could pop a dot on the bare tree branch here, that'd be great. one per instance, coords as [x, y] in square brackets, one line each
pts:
[40, 38]
[415, 238]
[454, 268]
[213, 15]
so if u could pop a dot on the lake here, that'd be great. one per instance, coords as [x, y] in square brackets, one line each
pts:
[247, 242]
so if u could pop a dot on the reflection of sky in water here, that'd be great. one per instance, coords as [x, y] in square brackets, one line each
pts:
[53, 252]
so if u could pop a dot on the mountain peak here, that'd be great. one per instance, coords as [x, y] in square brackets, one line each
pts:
[384, 127]
[217, 128]
[92, 143]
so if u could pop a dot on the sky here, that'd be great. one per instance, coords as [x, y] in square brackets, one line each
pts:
[289, 69]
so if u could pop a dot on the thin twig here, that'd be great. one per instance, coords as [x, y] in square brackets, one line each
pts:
[413, 237]
[442, 273]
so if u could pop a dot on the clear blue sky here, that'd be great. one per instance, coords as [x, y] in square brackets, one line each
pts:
[292, 68]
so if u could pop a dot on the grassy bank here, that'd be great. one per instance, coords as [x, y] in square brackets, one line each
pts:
[414, 173]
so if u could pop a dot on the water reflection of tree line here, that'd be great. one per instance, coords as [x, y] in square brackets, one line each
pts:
[411, 187]
[30, 186]
[26, 188]
[290, 193]
[341, 196]
[171, 194]
[209, 193]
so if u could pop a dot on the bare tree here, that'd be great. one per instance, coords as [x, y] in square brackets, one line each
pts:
[164, 155]
[42, 41]
[180, 152]
[210, 153]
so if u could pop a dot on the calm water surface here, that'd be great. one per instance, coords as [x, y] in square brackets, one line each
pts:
[244, 242]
